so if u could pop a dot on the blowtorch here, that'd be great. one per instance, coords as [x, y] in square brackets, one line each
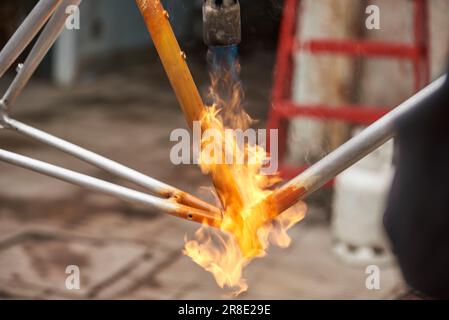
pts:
[222, 34]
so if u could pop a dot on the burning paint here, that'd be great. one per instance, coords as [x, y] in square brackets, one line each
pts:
[246, 231]
[189, 146]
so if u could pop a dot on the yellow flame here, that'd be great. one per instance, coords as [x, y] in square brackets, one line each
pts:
[244, 234]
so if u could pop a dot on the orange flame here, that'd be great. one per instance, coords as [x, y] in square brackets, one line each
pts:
[244, 233]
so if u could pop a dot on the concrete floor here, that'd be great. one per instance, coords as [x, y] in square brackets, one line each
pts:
[126, 251]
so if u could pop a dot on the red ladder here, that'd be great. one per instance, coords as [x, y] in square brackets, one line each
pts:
[282, 106]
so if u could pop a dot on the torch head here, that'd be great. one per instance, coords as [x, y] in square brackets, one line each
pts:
[221, 22]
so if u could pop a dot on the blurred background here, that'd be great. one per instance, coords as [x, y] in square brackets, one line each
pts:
[104, 88]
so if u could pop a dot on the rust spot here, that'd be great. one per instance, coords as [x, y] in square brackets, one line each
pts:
[287, 198]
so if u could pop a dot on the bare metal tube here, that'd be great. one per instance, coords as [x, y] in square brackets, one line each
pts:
[346, 155]
[46, 39]
[106, 164]
[26, 32]
[120, 192]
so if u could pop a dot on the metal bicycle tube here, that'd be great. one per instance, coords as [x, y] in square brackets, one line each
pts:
[26, 32]
[108, 165]
[46, 39]
[346, 155]
[120, 192]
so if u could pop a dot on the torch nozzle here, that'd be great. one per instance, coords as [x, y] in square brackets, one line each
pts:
[221, 22]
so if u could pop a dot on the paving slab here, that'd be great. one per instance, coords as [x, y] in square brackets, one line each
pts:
[38, 259]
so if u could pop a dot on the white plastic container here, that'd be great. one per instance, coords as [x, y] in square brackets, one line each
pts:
[358, 207]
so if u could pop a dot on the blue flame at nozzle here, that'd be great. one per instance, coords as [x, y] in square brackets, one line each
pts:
[224, 59]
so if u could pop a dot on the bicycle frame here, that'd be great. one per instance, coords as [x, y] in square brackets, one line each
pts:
[171, 200]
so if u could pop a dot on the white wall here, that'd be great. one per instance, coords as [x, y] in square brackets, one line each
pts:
[108, 27]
